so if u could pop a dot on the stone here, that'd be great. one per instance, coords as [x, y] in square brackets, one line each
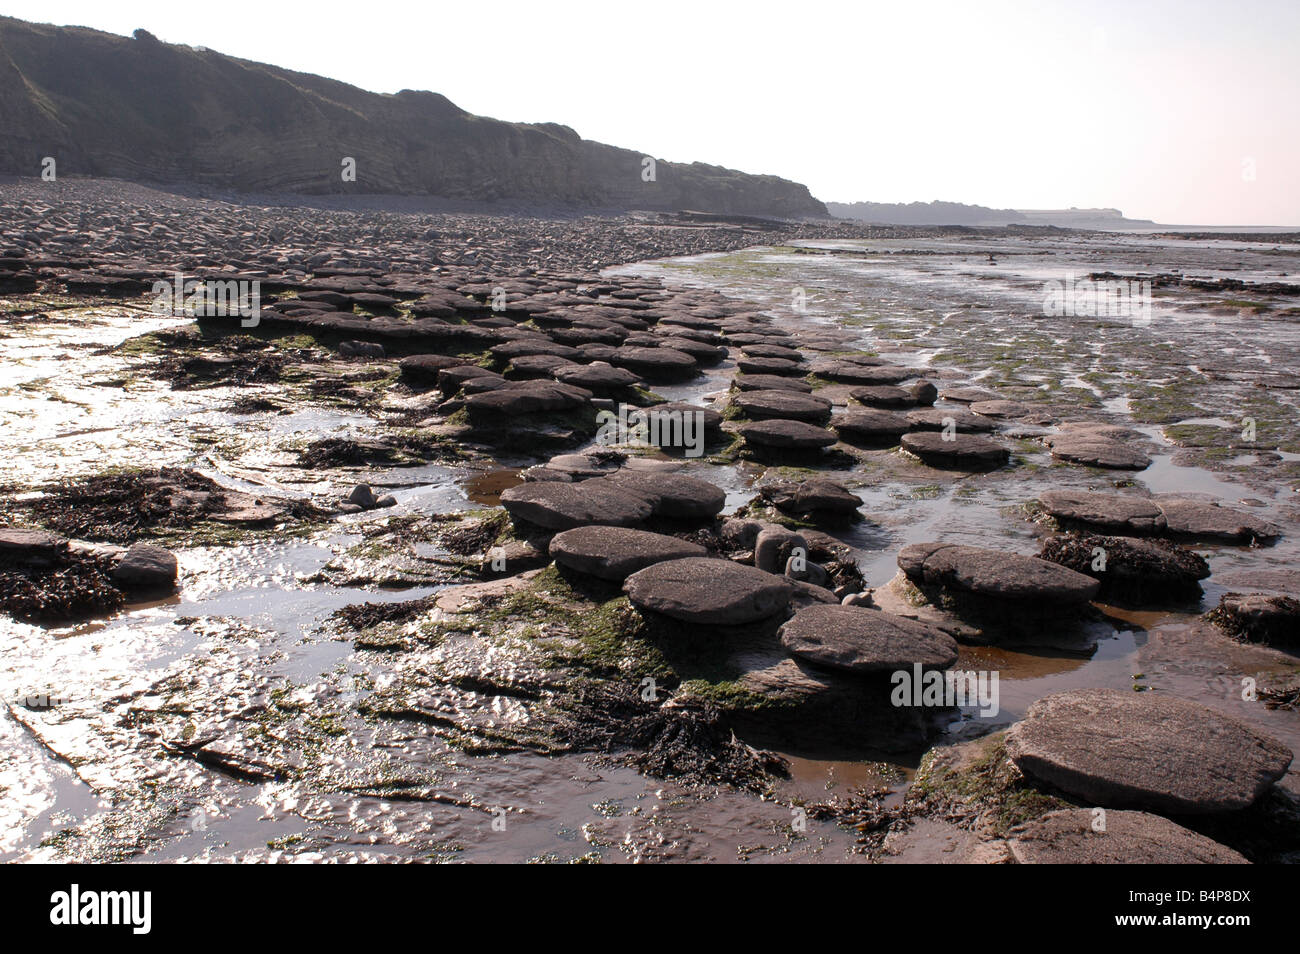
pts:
[995, 574]
[925, 392]
[786, 405]
[774, 546]
[655, 364]
[962, 452]
[1131, 569]
[769, 382]
[707, 591]
[146, 566]
[1118, 513]
[1092, 451]
[884, 396]
[563, 506]
[871, 426]
[969, 395]
[30, 546]
[615, 553]
[362, 349]
[849, 372]
[1067, 837]
[527, 397]
[1118, 748]
[674, 496]
[598, 377]
[787, 435]
[778, 366]
[1259, 617]
[815, 495]
[422, 369]
[956, 420]
[1209, 521]
[859, 640]
[362, 496]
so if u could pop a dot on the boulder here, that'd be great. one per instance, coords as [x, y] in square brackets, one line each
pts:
[146, 566]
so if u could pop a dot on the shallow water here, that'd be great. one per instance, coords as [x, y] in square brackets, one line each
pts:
[254, 619]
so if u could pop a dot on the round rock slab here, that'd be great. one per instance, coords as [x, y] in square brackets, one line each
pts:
[563, 506]
[961, 452]
[788, 435]
[1119, 513]
[1067, 837]
[703, 590]
[995, 574]
[1208, 521]
[955, 419]
[871, 426]
[769, 382]
[1095, 452]
[672, 495]
[615, 553]
[787, 405]
[883, 395]
[859, 640]
[1119, 748]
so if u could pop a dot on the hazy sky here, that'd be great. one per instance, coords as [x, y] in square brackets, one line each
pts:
[1182, 112]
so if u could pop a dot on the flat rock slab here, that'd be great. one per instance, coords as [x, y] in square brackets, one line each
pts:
[849, 372]
[769, 382]
[789, 435]
[884, 395]
[811, 496]
[859, 640]
[1118, 513]
[563, 506]
[950, 419]
[528, 397]
[1093, 451]
[962, 452]
[863, 424]
[995, 574]
[1209, 521]
[1067, 837]
[672, 495]
[702, 590]
[597, 376]
[1119, 748]
[787, 405]
[34, 546]
[615, 553]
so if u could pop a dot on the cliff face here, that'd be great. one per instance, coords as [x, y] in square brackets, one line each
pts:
[138, 109]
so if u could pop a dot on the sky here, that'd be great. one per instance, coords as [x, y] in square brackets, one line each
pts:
[1182, 112]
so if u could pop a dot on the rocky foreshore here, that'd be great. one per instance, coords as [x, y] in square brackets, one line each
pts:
[617, 594]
